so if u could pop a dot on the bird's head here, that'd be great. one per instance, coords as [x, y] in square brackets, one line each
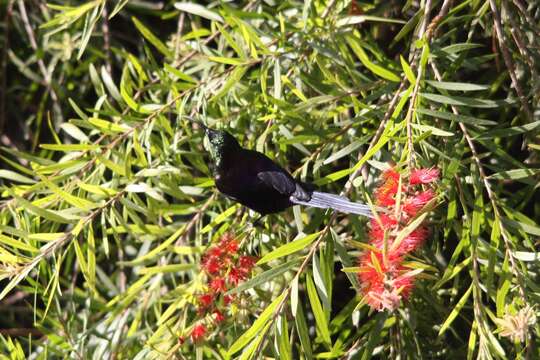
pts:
[221, 143]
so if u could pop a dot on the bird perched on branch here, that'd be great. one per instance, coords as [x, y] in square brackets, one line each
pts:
[254, 180]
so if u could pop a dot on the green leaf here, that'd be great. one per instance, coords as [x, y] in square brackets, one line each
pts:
[219, 219]
[74, 132]
[289, 248]
[407, 70]
[406, 231]
[44, 213]
[455, 311]
[96, 189]
[13, 176]
[282, 335]
[199, 10]
[445, 85]
[375, 335]
[528, 228]
[453, 117]
[152, 39]
[344, 151]
[318, 313]
[465, 101]
[459, 47]
[76, 201]
[526, 255]
[303, 332]
[264, 277]
[431, 129]
[17, 244]
[374, 68]
[512, 131]
[256, 327]
[226, 60]
[107, 126]
[232, 80]
[515, 174]
[358, 19]
[171, 268]
[70, 147]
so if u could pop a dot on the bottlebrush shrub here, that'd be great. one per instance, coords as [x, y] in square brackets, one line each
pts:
[384, 280]
[224, 267]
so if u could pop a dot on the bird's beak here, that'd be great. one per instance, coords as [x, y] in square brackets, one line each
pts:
[210, 132]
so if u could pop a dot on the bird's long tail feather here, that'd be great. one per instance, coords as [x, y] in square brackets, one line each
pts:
[336, 202]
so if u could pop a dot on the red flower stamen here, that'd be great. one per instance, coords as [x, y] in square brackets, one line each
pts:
[198, 333]
[416, 202]
[218, 316]
[247, 262]
[218, 285]
[205, 300]
[423, 176]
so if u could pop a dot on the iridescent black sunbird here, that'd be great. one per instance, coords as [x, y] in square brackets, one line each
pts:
[254, 180]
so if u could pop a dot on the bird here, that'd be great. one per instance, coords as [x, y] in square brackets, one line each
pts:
[254, 180]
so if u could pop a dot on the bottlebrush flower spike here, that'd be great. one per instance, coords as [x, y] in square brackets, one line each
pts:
[218, 316]
[218, 285]
[235, 276]
[384, 280]
[246, 262]
[206, 300]
[224, 268]
[227, 299]
[416, 202]
[211, 265]
[385, 194]
[198, 333]
[423, 176]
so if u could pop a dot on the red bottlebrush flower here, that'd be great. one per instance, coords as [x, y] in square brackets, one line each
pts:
[382, 284]
[413, 240]
[205, 300]
[218, 316]
[390, 174]
[416, 202]
[227, 299]
[387, 221]
[236, 275]
[376, 233]
[181, 340]
[211, 265]
[385, 194]
[385, 198]
[218, 284]
[198, 333]
[423, 176]
[232, 247]
[215, 252]
[246, 262]
[385, 281]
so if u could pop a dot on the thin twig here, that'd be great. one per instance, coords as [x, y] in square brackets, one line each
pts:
[106, 38]
[508, 59]
[328, 8]
[47, 79]
[179, 28]
[412, 102]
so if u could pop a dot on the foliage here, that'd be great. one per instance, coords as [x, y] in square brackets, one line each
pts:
[107, 200]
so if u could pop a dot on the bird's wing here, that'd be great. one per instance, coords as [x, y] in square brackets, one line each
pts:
[278, 180]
